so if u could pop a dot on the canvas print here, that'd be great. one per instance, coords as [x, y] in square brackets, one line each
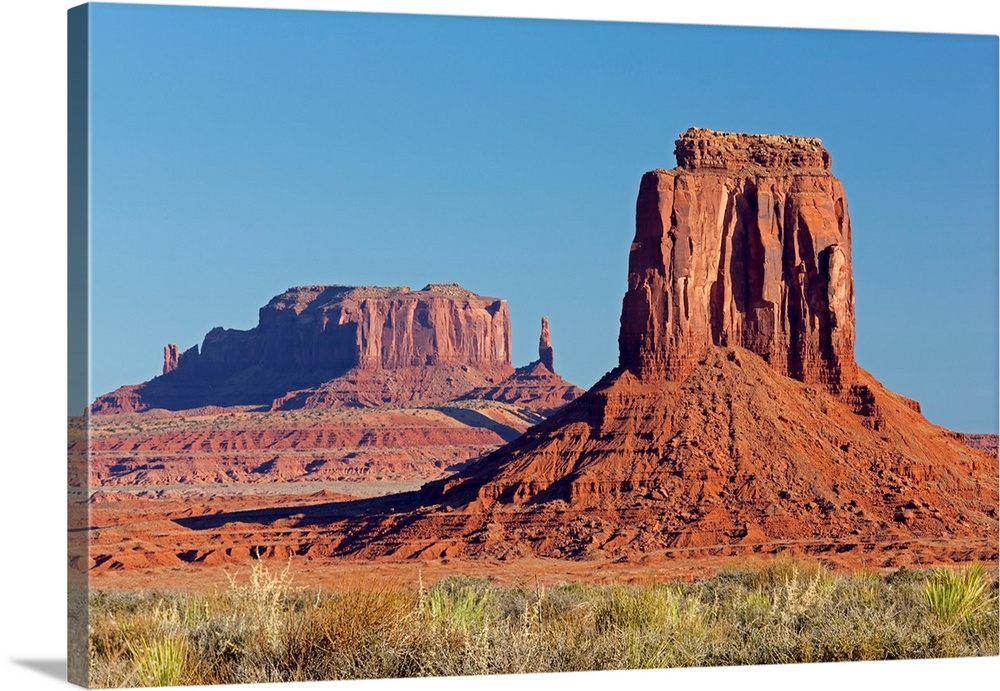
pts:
[425, 346]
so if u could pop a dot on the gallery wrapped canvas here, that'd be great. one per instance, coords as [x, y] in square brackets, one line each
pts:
[412, 345]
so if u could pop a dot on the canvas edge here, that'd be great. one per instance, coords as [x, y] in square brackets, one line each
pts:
[78, 340]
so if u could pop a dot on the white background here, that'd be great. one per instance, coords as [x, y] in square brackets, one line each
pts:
[33, 318]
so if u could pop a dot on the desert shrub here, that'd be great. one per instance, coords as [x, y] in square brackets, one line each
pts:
[866, 586]
[658, 625]
[567, 601]
[262, 629]
[637, 607]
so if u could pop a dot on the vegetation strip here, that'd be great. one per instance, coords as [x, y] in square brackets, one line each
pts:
[264, 629]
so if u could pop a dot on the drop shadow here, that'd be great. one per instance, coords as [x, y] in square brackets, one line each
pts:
[55, 668]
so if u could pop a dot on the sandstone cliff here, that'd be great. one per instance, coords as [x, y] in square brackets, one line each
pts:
[746, 243]
[312, 334]
[737, 420]
[335, 346]
[331, 328]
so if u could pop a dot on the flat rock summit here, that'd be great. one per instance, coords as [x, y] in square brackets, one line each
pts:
[336, 346]
[737, 419]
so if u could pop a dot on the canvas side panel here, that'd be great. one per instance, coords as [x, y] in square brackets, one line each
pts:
[78, 346]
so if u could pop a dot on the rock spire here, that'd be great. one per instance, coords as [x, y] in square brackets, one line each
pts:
[545, 354]
[171, 356]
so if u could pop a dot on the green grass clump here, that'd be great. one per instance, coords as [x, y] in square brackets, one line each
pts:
[262, 629]
[457, 603]
[160, 662]
[957, 597]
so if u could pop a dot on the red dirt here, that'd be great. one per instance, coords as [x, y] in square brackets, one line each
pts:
[696, 491]
[386, 444]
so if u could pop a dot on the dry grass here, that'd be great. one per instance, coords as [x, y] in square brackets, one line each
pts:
[262, 629]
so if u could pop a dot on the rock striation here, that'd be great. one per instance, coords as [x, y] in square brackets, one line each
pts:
[323, 346]
[987, 443]
[370, 446]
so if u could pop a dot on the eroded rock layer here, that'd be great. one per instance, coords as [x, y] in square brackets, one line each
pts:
[746, 243]
[734, 455]
[363, 447]
[533, 386]
[737, 420]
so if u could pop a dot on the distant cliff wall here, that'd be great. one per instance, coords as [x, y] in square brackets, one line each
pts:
[311, 334]
[341, 327]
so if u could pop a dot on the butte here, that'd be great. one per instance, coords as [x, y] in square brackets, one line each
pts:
[335, 346]
[737, 420]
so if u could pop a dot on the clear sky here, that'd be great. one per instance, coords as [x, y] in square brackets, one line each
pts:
[236, 153]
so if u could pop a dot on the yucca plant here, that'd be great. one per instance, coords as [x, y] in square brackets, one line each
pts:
[160, 662]
[955, 597]
[460, 607]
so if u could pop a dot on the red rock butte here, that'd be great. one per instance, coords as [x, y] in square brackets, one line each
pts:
[340, 327]
[737, 420]
[746, 243]
[332, 345]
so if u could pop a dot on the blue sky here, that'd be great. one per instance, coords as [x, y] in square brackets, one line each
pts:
[236, 153]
